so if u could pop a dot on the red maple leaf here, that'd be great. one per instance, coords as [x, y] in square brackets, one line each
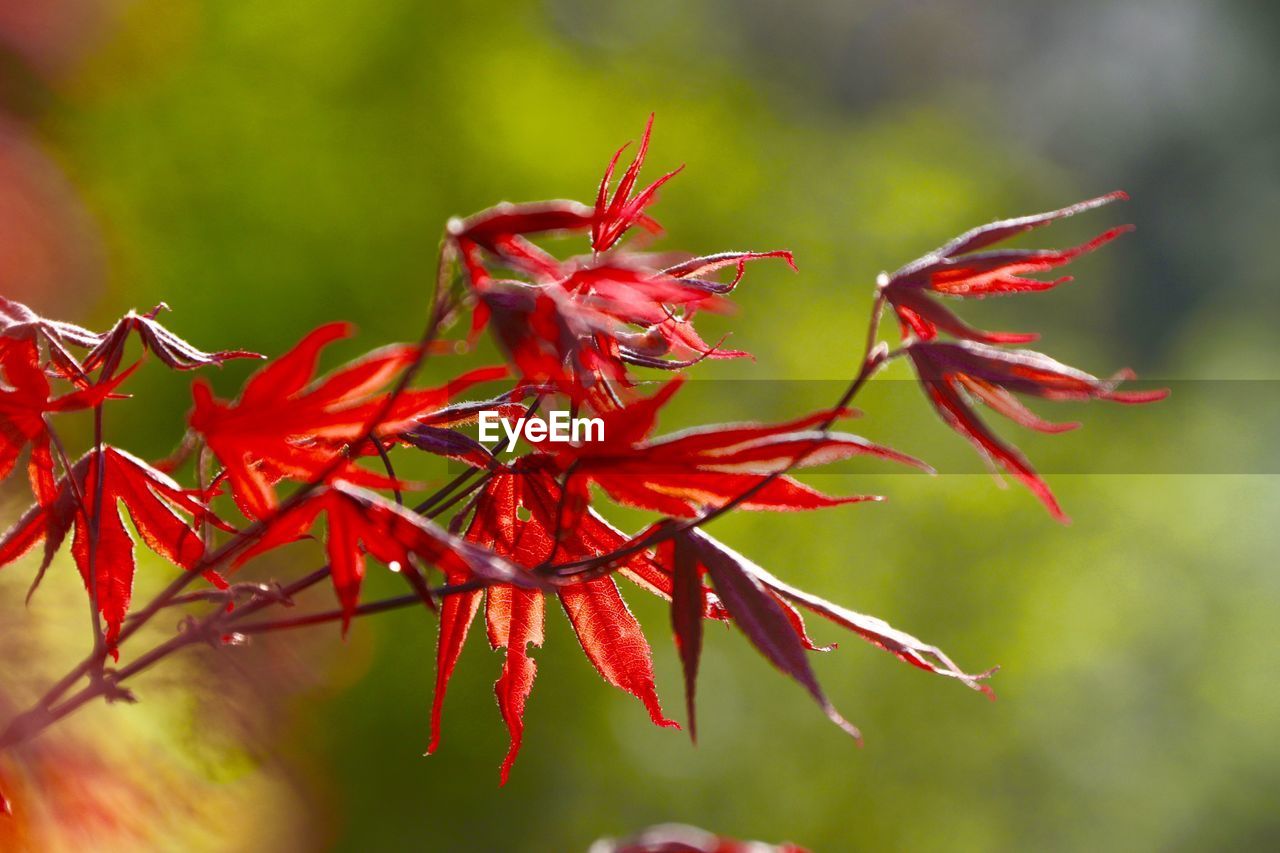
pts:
[958, 269]
[26, 397]
[954, 373]
[610, 636]
[153, 502]
[284, 426]
[684, 473]
[761, 606]
[168, 347]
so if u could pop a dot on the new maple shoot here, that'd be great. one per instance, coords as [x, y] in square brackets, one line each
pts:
[295, 456]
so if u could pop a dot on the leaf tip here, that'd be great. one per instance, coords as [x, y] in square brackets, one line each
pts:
[504, 774]
[847, 727]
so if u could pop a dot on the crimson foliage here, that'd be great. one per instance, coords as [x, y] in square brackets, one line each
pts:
[521, 526]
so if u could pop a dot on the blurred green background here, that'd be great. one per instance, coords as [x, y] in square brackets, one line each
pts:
[264, 167]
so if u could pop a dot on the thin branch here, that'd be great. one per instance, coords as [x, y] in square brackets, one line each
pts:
[329, 615]
[501, 447]
[368, 609]
[391, 471]
[444, 507]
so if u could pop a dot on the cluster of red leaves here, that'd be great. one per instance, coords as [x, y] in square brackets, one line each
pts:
[35, 351]
[577, 323]
[284, 426]
[978, 365]
[293, 448]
